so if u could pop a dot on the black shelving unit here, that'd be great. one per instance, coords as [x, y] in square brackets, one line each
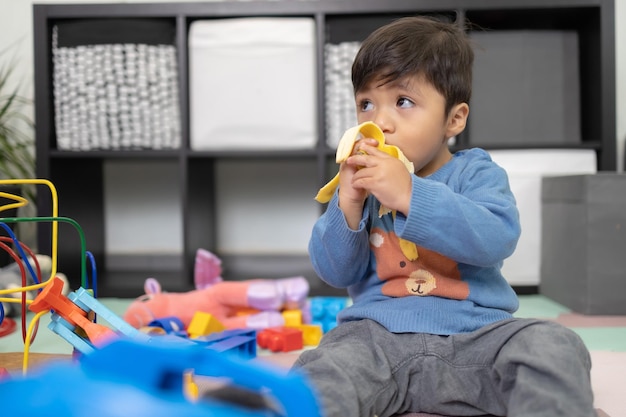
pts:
[78, 176]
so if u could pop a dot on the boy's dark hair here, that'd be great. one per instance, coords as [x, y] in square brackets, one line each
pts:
[439, 51]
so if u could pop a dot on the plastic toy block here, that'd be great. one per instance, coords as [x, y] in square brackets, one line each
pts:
[170, 325]
[324, 311]
[4, 374]
[280, 339]
[203, 324]
[150, 378]
[292, 318]
[311, 334]
[241, 342]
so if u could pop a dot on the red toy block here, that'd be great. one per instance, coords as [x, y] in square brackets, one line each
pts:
[4, 374]
[280, 338]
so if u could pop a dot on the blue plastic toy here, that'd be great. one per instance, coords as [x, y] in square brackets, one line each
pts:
[146, 379]
[240, 342]
[170, 325]
[324, 311]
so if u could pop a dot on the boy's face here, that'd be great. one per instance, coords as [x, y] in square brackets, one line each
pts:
[410, 112]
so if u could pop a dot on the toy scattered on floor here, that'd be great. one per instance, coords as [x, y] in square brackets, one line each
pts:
[71, 319]
[311, 333]
[292, 317]
[324, 311]
[238, 342]
[131, 378]
[280, 339]
[167, 325]
[255, 303]
[203, 324]
[207, 269]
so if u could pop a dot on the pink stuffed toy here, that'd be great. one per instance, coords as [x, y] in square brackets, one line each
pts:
[236, 304]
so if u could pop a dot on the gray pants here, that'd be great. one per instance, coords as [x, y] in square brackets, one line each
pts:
[518, 367]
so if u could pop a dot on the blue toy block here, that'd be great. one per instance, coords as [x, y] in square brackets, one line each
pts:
[324, 311]
[130, 378]
[240, 342]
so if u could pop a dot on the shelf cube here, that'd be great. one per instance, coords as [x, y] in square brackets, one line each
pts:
[252, 83]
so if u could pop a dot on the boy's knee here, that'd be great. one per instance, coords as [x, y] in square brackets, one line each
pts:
[560, 339]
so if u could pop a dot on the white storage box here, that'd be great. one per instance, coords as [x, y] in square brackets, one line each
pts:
[525, 169]
[252, 84]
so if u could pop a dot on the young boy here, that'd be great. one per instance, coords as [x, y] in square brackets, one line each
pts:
[431, 332]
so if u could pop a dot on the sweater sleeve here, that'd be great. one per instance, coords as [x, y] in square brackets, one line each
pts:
[339, 255]
[471, 217]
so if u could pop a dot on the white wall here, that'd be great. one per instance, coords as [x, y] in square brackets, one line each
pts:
[16, 35]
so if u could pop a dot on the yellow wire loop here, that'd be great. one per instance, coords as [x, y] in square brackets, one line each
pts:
[29, 335]
[23, 289]
[13, 300]
[20, 202]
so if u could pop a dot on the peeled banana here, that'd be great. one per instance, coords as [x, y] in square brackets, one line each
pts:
[344, 150]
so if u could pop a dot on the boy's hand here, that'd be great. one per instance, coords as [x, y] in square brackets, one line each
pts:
[375, 172]
[351, 199]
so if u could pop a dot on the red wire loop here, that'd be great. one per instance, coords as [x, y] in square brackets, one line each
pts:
[19, 262]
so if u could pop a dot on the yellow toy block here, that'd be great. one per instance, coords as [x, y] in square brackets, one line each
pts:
[311, 334]
[203, 324]
[293, 318]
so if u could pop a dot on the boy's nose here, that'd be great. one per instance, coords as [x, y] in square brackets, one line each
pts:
[383, 121]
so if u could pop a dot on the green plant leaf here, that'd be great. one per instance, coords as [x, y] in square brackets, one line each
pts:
[17, 159]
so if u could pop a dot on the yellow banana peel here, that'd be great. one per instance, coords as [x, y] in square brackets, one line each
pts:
[344, 150]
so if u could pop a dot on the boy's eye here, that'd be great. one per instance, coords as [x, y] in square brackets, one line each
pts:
[404, 102]
[365, 105]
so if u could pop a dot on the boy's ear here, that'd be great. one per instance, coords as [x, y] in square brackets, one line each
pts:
[457, 119]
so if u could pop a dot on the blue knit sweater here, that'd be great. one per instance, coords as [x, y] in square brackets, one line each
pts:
[462, 222]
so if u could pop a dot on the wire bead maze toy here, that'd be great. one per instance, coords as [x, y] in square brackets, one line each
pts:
[21, 254]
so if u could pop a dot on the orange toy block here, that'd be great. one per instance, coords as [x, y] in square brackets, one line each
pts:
[203, 324]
